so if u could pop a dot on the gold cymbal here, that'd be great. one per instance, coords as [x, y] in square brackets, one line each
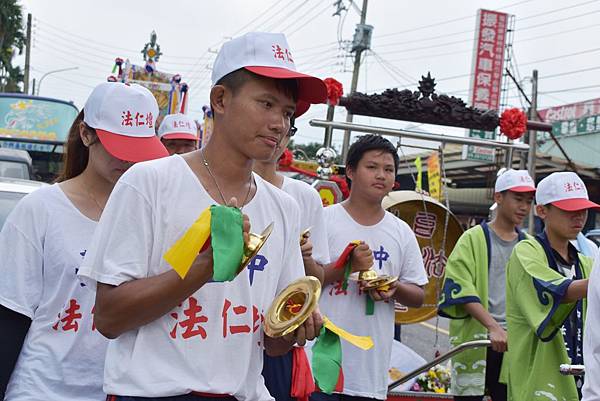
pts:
[381, 283]
[304, 236]
[255, 243]
[367, 275]
[292, 306]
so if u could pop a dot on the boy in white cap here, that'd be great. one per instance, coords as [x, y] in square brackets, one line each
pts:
[277, 371]
[179, 134]
[193, 338]
[546, 287]
[474, 289]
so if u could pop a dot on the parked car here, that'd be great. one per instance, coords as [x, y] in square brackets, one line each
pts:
[594, 235]
[11, 192]
[15, 163]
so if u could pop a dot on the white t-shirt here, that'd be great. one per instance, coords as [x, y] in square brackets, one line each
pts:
[213, 342]
[311, 207]
[396, 253]
[591, 340]
[42, 245]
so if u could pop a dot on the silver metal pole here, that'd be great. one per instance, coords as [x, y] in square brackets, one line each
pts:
[418, 135]
[462, 347]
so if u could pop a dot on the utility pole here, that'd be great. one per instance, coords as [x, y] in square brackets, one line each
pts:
[533, 115]
[361, 42]
[27, 55]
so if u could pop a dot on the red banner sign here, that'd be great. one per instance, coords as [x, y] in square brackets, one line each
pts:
[488, 59]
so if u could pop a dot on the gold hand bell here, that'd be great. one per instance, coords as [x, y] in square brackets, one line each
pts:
[292, 307]
[371, 281]
[255, 243]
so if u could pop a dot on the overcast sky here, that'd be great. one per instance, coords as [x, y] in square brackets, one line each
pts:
[410, 38]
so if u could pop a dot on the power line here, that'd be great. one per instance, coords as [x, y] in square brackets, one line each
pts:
[561, 74]
[571, 89]
[309, 19]
[562, 56]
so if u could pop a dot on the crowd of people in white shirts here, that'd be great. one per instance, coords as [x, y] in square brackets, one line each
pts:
[90, 309]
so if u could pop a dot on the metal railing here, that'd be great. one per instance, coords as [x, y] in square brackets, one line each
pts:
[419, 135]
[422, 369]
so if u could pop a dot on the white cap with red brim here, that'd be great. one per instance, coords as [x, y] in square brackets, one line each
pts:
[178, 126]
[268, 55]
[515, 181]
[123, 117]
[564, 190]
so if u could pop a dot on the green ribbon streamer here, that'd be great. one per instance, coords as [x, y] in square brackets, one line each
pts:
[227, 241]
[347, 271]
[327, 360]
[370, 305]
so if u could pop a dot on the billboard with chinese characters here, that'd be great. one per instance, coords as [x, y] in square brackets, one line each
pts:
[577, 127]
[486, 79]
[35, 118]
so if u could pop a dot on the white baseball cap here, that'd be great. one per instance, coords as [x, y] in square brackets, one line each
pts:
[178, 126]
[566, 191]
[268, 55]
[123, 116]
[515, 181]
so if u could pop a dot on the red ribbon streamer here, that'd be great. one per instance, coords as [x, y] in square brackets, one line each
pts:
[303, 384]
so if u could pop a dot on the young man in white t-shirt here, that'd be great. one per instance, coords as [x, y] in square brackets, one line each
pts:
[193, 338]
[390, 247]
[277, 371]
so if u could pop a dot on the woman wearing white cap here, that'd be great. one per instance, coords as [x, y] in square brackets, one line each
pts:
[46, 313]
[474, 289]
[546, 287]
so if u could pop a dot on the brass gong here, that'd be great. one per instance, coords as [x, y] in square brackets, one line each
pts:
[255, 243]
[427, 218]
[292, 306]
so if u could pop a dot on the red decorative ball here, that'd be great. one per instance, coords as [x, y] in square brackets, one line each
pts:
[513, 123]
[286, 158]
[335, 90]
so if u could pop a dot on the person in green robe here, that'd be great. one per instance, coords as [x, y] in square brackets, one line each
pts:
[473, 292]
[546, 287]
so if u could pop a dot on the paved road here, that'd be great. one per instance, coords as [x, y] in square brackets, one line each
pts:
[421, 337]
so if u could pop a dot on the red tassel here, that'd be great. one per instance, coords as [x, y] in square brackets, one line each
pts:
[303, 384]
[341, 262]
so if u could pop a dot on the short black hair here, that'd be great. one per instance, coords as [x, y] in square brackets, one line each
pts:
[235, 80]
[366, 143]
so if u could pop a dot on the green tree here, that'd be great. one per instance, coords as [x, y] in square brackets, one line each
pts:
[12, 38]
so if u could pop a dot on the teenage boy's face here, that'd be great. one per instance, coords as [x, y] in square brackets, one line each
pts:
[564, 224]
[179, 146]
[514, 206]
[260, 114]
[375, 174]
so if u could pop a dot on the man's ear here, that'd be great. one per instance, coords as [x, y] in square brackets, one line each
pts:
[218, 95]
[350, 173]
[498, 197]
[541, 211]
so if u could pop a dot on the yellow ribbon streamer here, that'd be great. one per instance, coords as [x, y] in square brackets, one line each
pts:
[362, 342]
[182, 254]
